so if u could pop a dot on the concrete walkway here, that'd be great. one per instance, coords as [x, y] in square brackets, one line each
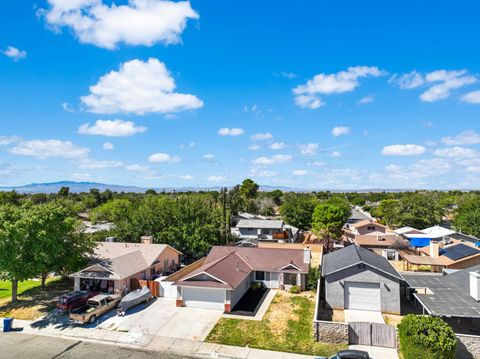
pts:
[377, 352]
[363, 316]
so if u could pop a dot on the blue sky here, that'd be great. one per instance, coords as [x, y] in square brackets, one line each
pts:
[310, 94]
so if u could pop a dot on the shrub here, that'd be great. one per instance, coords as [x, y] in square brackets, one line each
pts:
[255, 286]
[294, 289]
[426, 337]
[312, 278]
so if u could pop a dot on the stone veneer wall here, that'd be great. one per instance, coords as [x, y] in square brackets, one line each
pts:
[468, 346]
[330, 332]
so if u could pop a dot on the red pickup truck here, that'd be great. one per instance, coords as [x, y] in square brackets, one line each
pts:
[74, 300]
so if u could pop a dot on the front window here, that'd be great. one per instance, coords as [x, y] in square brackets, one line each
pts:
[289, 279]
[259, 275]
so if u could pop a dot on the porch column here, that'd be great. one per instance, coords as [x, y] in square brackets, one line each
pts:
[179, 302]
[228, 303]
[76, 283]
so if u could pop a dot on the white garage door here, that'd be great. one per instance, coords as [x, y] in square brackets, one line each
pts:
[204, 298]
[362, 296]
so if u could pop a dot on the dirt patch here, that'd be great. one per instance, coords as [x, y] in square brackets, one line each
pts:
[338, 316]
[392, 319]
[280, 312]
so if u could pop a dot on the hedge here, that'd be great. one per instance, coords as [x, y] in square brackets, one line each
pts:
[426, 337]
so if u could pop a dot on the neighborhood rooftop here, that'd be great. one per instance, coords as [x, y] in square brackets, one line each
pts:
[260, 223]
[450, 294]
[353, 255]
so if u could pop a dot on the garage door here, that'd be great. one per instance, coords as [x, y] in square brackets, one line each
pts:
[362, 296]
[204, 298]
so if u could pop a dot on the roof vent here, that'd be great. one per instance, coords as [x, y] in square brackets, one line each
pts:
[475, 285]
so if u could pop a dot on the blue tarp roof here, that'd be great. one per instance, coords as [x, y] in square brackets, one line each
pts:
[420, 241]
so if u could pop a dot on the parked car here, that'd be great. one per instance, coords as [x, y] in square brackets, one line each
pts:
[73, 300]
[95, 307]
[349, 354]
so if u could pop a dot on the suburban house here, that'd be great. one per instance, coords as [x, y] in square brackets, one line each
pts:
[454, 297]
[374, 236]
[245, 215]
[221, 279]
[422, 238]
[439, 256]
[264, 230]
[357, 214]
[116, 266]
[356, 278]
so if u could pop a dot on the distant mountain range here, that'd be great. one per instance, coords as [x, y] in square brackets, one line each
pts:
[78, 187]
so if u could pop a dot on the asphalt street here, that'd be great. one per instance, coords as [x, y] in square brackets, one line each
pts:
[24, 346]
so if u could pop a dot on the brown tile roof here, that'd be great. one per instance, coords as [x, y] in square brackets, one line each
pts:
[366, 222]
[229, 266]
[369, 240]
[123, 260]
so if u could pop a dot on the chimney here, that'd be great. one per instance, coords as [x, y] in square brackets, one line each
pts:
[110, 239]
[434, 249]
[146, 239]
[475, 285]
[307, 255]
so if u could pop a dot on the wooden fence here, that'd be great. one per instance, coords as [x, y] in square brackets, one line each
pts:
[374, 334]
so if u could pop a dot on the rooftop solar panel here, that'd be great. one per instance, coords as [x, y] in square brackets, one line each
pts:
[459, 251]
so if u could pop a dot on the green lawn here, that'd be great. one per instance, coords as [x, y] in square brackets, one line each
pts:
[287, 327]
[33, 302]
[6, 287]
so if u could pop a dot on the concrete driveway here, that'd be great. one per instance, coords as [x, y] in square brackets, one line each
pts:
[160, 317]
[363, 316]
[163, 318]
[377, 352]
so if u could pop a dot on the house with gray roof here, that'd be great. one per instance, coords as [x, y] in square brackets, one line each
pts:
[116, 267]
[225, 275]
[455, 295]
[357, 278]
[252, 230]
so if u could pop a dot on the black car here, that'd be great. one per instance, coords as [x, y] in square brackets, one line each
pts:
[349, 354]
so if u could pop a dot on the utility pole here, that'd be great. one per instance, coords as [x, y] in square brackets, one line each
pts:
[225, 226]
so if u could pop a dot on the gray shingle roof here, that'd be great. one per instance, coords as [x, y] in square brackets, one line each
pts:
[352, 255]
[260, 223]
[451, 293]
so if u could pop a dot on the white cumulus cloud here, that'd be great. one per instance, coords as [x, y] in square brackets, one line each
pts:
[43, 149]
[112, 128]
[138, 87]
[161, 157]
[403, 150]
[254, 147]
[209, 156]
[108, 146]
[340, 130]
[277, 146]
[216, 179]
[447, 81]
[309, 149]
[365, 100]
[139, 22]
[230, 131]
[277, 159]
[14, 53]
[471, 97]
[261, 136]
[469, 137]
[456, 152]
[300, 172]
[325, 84]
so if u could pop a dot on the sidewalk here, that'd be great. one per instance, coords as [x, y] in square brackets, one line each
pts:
[136, 340]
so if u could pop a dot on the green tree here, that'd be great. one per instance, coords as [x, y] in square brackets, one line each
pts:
[150, 192]
[467, 216]
[56, 245]
[328, 220]
[64, 191]
[297, 209]
[276, 195]
[236, 202]
[16, 262]
[249, 189]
